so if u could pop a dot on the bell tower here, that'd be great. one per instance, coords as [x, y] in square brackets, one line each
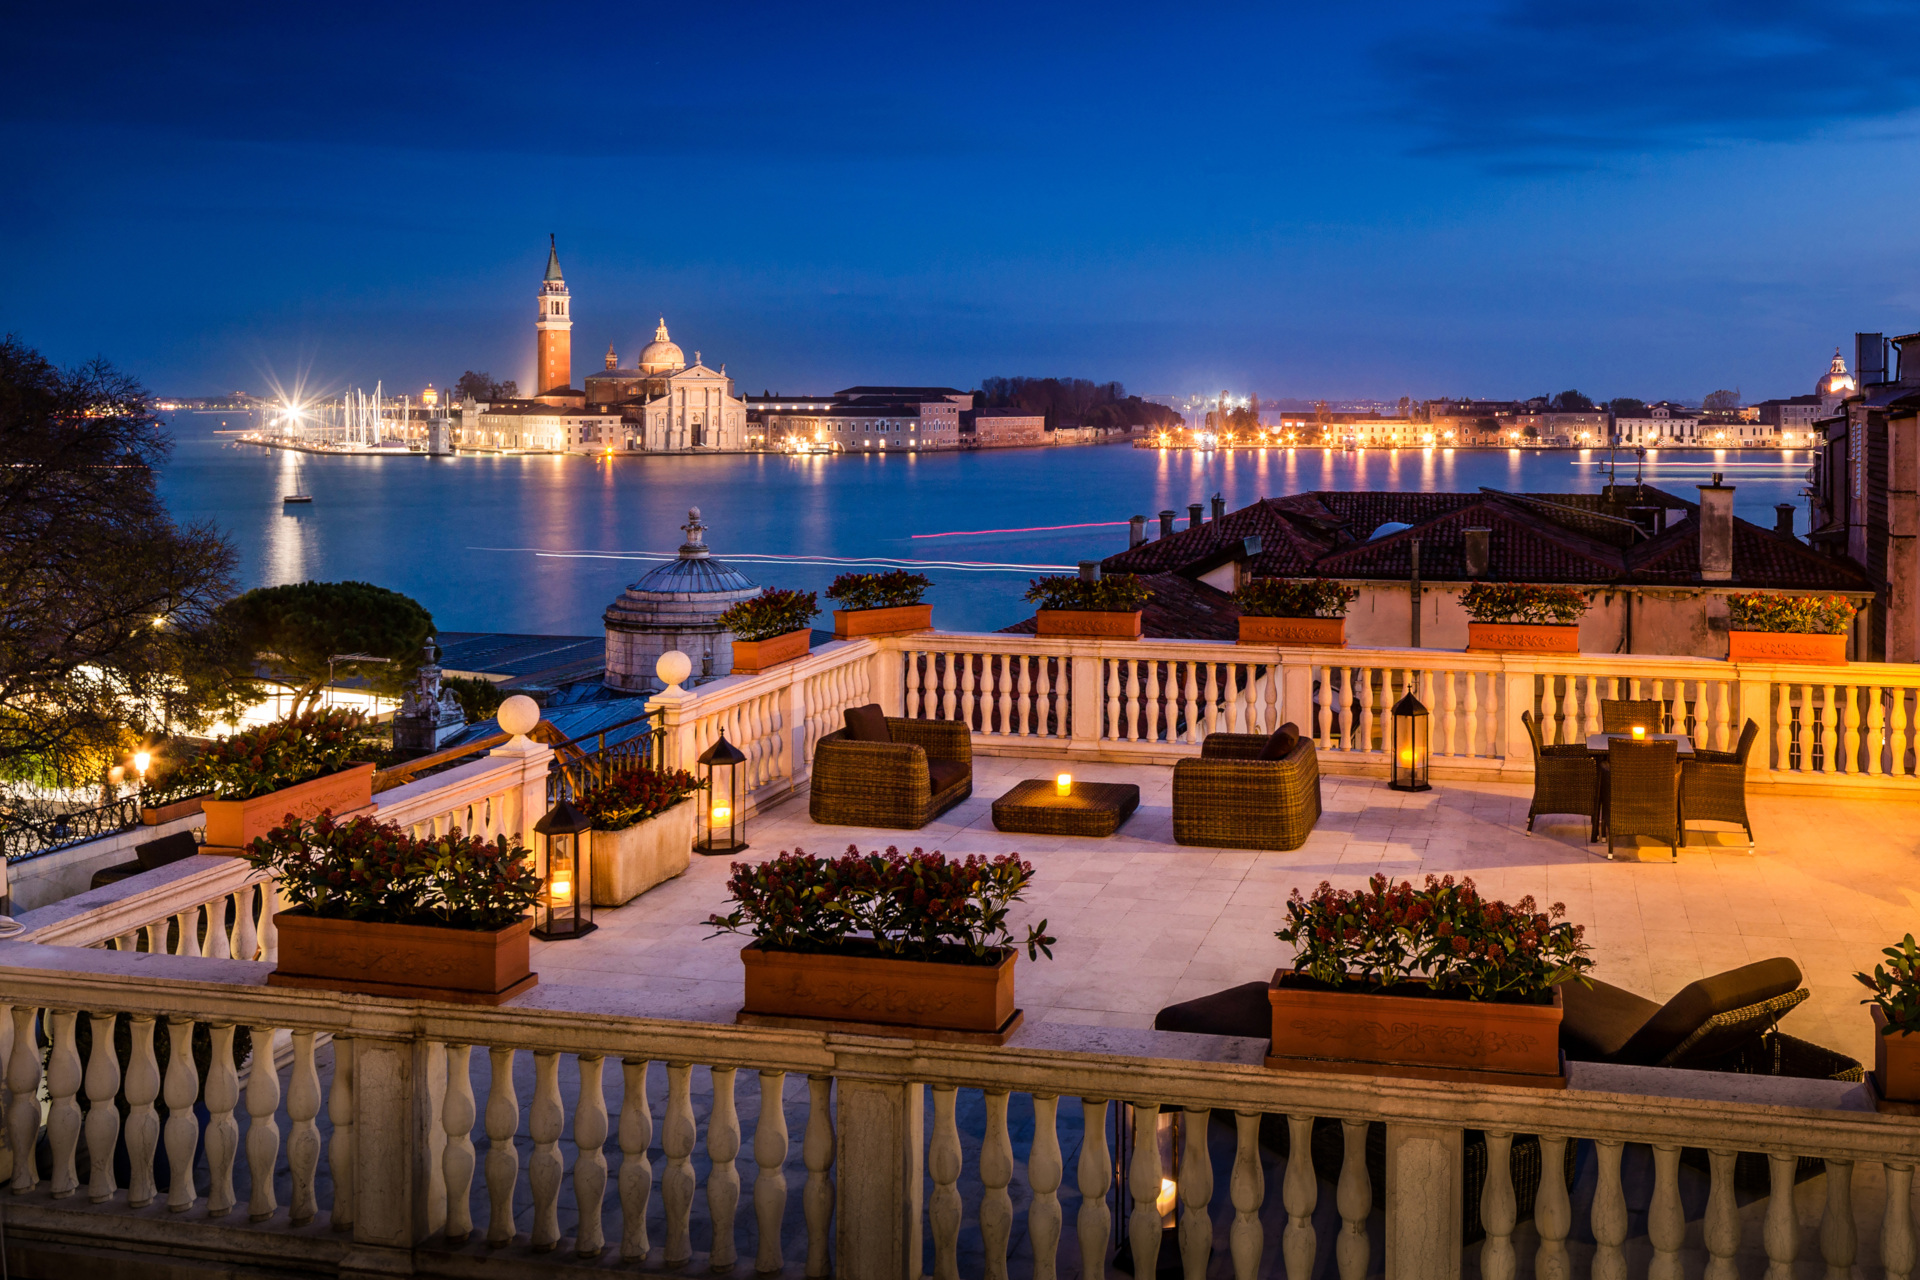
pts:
[553, 329]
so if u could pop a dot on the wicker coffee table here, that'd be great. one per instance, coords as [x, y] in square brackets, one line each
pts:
[1088, 809]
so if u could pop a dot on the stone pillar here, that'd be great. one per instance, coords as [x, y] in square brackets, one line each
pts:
[391, 1173]
[1516, 695]
[887, 677]
[519, 716]
[1296, 696]
[1423, 1203]
[881, 1129]
[1086, 701]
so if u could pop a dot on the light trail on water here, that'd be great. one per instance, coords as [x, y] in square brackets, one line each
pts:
[869, 562]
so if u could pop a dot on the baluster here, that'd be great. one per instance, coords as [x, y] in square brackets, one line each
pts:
[1850, 709]
[246, 931]
[723, 1176]
[103, 1116]
[143, 1122]
[1609, 1214]
[943, 1166]
[1111, 668]
[1353, 1196]
[1023, 704]
[1247, 1186]
[1781, 1233]
[503, 1158]
[222, 1095]
[636, 1171]
[544, 1121]
[1445, 685]
[1722, 716]
[996, 1171]
[1196, 1193]
[770, 1184]
[129, 941]
[23, 1108]
[1552, 1214]
[1829, 724]
[1592, 723]
[1896, 1228]
[1837, 1235]
[1472, 709]
[263, 1133]
[63, 1112]
[1321, 705]
[1044, 1170]
[590, 1156]
[1153, 704]
[1666, 1220]
[969, 699]
[1190, 702]
[303, 1136]
[189, 940]
[1093, 1174]
[1134, 682]
[1003, 693]
[219, 941]
[1721, 1228]
[182, 1131]
[1897, 755]
[913, 703]
[676, 1183]
[269, 931]
[1042, 696]
[1497, 1210]
[816, 1148]
[1300, 1193]
[1144, 1178]
[340, 1149]
[6, 1061]
[457, 1114]
[1363, 728]
[1876, 734]
[950, 681]
[1783, 727]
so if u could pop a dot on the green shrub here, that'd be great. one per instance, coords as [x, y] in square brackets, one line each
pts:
[257, 762]
[478, 698]
[1896, 987]
[1800, 615]
[1294, 598]
[878, 590]
[774, 612]
[637, 795]
[1113, 593]
[1525, 603]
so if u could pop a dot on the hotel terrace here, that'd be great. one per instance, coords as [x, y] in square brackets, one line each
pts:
[616, 1117]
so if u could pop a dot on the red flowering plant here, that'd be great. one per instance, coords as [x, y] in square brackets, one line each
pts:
[919, 905]
[1525, 603]
[1802, 615]
[362, 869]
[258, 762]
[776, 611]
[636, 795]
[1460, 943]
[879, 590]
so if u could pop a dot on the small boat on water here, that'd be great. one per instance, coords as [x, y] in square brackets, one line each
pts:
[297, 497]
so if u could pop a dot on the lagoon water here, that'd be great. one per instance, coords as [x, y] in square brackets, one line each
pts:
[542, 544]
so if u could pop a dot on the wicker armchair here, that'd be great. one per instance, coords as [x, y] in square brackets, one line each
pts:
[1566, 779]
[1229, 798]
[903, 784]
[1617, 715]
[1713, 785]
[1643, 793]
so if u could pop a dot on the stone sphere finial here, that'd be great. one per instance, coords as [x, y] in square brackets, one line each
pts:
[672, 668]
[518, 715]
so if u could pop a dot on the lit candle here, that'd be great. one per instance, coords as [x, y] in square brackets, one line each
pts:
[1406, 755]
[1639, 733]
[722, 815]
[1168, 1198]
[562, 891]
[1063, 785]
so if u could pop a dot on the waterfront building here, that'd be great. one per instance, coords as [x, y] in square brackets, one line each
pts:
[675, 606]
[1002, 428]
[853, 419]
[673, 406]
[1665, 425]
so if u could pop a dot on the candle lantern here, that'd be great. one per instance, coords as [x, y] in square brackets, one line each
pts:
[726, 825]
[1063, 785]
[1168, 1135]
[1639, 732]
[1412, 744]
[565, 906]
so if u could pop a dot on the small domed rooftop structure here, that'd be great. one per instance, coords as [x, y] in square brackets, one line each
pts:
[661, 355]
[675, 606]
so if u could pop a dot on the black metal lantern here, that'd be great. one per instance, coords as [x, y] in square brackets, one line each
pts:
[726, 824]
[1168, 1133]
[1412, 744]
[565, 908]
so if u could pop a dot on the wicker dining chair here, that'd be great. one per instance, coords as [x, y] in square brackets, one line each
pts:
[1644, 793]
[1566, 779]
[1713, 785]
[1617, 715]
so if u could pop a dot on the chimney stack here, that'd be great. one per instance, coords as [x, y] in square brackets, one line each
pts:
[1166, 524]
[1194, 515]
[1136, 531]
[1219, 507]
[1716, 531]
[1783, 519]
[1477, 552]
[1089, 571]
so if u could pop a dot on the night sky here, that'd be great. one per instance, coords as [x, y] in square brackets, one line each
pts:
[1508, 198]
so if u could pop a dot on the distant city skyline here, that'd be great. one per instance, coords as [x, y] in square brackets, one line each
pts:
[1501, 199]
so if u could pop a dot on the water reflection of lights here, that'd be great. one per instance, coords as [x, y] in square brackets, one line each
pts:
[896, 562]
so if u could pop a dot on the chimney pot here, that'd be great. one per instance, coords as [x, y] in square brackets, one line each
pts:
[1783, 519]
[1166, 524]
[1477, 552]
[1195, 515]
[1219, 506]
[1136, 531]
[1716, 531]
[1089, 571]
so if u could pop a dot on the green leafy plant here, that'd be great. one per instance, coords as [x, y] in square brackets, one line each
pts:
[636, 795]
[1111, 593]
[1896, 987]
[301, 626]
[879, 590]
[368, 870]
[1525, 603]
[1799, 615]
[257, 762]
[774, 612]
[919, 905]
[1460, 943]
[1294, 598]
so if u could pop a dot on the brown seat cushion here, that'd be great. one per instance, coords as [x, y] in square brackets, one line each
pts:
[1238, 1011]
[868, 724]
[1597, 1020]
[942, 774]
[1281, 743]
[166, 850]
[1679, 1017]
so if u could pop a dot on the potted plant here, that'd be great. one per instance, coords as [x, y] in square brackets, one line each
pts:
[769, 629]
[1896, 1022]
[1106, 608]
[913, 941]
[178, 794]
[302, 766]
[1293, 611]
[1519, 617]
[643, 830]
[1437, 982]
[377, 911]
[1763, 627]
[880, 604]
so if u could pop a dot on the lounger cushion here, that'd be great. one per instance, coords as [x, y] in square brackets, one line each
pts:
[1597, 1020]
[942, 774]
[868, 724]
[1238, 1011]
[1281, 742]
[166, 850]
[1679, 1017]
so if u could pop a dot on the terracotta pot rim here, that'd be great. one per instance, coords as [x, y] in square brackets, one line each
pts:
[1407, 989]
[304, 915]
[1007, 956]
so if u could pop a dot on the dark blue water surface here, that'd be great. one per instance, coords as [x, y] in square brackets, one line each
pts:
[542, 544]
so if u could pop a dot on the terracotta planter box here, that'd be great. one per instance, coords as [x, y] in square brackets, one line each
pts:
[1896, 1062]
[750, 656]
[1521, 637]
[169, 812]
[232, 824]
[630, 861]
[865, 989]
[1325, 631]
[421, 962]
[1088, 623]
[850, 624]
[1371, 1034]
[1786, 646]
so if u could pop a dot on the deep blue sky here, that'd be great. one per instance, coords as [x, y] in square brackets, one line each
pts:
[1497, 198]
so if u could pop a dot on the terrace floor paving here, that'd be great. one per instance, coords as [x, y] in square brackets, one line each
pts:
[1143, 922]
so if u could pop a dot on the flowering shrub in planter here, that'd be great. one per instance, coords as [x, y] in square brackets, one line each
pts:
[879, 590]
[643, 831]
[258, 762]
[637, 795]
[1798, 615]
[1895, 998]
[1294, 598]
[1113, 593]
[776, 611]
[1525, 604]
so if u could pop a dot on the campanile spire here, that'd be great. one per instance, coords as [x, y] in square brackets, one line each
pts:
[553, 328]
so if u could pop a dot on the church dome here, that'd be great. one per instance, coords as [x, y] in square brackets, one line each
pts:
[676, 605]
[661, 355]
